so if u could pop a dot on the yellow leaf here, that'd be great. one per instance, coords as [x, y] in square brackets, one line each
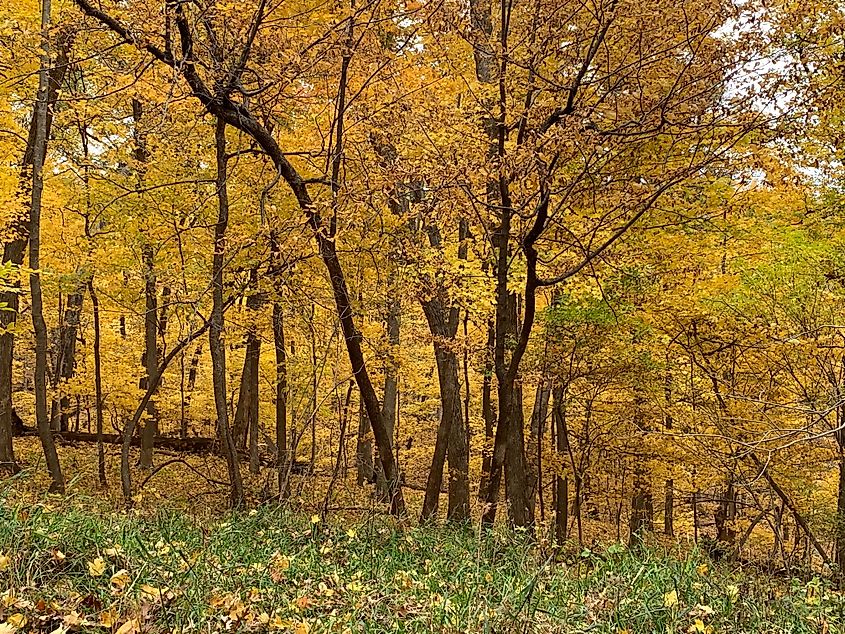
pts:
[152, 593]
[108, 618]
[16, 620]
[670, 599]
[120, 578]
[5, 561]
[97, 567]
[132, 626]
[301, 628]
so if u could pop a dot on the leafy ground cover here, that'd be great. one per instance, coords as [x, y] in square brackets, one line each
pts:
[69, 566]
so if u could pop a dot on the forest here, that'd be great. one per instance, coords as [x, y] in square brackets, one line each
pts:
[555, 286]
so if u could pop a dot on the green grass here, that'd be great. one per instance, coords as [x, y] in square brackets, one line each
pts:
[269, 570]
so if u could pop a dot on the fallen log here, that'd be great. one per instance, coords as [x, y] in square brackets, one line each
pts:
[194, 444]
[174, 443]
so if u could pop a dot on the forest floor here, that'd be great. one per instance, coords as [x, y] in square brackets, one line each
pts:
[77, 563]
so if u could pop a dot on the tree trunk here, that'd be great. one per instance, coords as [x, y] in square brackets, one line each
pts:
[537, 428]
[39, 326]
[150, 359]
[561, 481]
[450, 418]
[66, 361]
[98, 384]
[246, 413]
[391, 382]
[282, 458]
[364, 448]
[669, 508]
[13, 253]
[840, 510]
[640, 519]
[218, 350]
[487, 413]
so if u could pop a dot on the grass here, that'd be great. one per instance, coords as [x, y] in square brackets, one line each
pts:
[272, 570]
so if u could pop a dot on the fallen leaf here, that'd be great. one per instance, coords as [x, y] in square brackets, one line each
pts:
[132, 626]
[121, 578]
[97, 567]
[108, 618]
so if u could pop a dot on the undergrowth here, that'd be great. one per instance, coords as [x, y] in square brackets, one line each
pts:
[67, 566]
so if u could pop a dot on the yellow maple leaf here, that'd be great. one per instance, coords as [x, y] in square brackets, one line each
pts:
[97, 567]
[5, 561]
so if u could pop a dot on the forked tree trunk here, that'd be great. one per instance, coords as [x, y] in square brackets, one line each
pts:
[450, 417]
[39, 326]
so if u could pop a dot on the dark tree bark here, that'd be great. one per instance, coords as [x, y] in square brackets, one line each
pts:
[450, 416]
[39, 326]
[561, 434]
[640, 519]
[98, 384]
[364, 448]
[669, 485]
[13, 253]
[451, 441]
[488, 413]
[282, 453]
[840, 498]
[150, 359]
[537, 428]
[246, 413]
[66, 359]
[391, 377]
[218, 350]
